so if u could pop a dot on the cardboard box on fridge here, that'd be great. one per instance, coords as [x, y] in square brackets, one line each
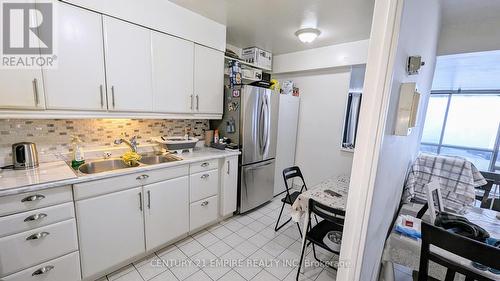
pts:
[259, 57]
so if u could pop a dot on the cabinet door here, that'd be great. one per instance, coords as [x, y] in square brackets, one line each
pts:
[172, 74]
[166, 211]
[111, 230]
[229, 185]
[128, 66]
[208, 80]
[21, 89]
[78, 81]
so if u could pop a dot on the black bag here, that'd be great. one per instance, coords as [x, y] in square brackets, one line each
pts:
[461, 226]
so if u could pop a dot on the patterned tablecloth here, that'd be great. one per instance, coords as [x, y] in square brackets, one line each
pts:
[300, 206]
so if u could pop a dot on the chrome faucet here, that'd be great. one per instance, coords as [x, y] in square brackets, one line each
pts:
[132, 143]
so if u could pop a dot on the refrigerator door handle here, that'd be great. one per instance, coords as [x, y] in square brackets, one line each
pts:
[267, 120]
[261, 128]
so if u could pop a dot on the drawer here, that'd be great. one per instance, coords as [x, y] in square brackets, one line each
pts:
[204, 166]
[203, 185]
[37, 218]
[203, 212]
[65, 268]
[33, 200]
[25, 250]
[119, 183]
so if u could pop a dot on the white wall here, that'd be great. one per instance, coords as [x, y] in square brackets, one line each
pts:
[466, 37]
[418, 35]
[323, 98]
[339, 55]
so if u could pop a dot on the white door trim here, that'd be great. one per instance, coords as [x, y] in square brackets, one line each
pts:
[376, 95]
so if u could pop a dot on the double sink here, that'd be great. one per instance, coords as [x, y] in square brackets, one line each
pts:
[105, 165]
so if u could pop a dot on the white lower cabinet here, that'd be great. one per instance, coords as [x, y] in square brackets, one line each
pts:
[28, 248]
[65, 268]
[111, 230]
[203, 212]
[203, 185]
[166, 211]
[229, 186]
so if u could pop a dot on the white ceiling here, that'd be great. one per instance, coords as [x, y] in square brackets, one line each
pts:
[271, 24]
[468, 71]
[469, 11]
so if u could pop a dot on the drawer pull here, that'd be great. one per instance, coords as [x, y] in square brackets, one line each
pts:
[43, 270]
[37, 236]
[142, 177]
[32, 198]
[205, 176]
[205, 164]
[35, 217]
[204, 203]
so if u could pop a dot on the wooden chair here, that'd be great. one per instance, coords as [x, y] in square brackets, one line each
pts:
[459, 245]
[333, 220]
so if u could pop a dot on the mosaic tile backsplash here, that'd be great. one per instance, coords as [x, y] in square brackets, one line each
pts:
[54, 136]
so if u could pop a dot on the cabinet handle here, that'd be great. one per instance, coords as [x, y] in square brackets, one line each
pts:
[204, 176]
[43, 270]
[32, 198]
[204, 203]
[101, 91]
[191, 102]
[205, 164]
[197, 102]
[140, 201]
[35, 217]
[142, 177]
[113, 96]
[149, 199]
[35, 91]
[228, 166]
[37, 236]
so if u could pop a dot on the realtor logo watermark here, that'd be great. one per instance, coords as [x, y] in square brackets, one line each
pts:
[28, 37]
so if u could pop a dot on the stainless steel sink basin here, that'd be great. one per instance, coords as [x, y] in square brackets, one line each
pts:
[99, 166]
[157, 159]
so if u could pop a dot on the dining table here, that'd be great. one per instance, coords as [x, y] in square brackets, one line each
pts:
[405, 251]
[331, 192]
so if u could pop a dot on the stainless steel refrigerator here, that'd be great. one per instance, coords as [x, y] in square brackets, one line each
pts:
[250, 121]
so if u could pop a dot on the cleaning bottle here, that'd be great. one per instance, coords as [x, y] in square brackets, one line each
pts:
[78, 155]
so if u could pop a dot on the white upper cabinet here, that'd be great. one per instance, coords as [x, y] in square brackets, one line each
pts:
[21, 89]
[79, 81]
[208, 80]
[128, 66]
[173, 60]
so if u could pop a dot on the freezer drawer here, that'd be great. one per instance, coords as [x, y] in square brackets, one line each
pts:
[256, 185]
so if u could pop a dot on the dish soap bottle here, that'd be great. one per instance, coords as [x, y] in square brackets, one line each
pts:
[78, 155]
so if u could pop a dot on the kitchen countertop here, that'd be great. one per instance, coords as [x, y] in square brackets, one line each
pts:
[54, 174]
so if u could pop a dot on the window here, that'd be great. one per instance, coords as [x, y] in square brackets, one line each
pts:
[351, 120]
[464, 123]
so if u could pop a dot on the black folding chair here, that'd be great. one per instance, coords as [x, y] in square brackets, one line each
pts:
[333, 220]
[290, 173]
[459, 245]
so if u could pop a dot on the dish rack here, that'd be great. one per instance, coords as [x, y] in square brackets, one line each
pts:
[177, 144]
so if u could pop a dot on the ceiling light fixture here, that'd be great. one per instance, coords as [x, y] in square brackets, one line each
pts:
[307, 35]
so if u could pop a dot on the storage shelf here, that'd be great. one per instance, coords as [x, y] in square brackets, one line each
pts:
[248, 64]
[244, 79]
